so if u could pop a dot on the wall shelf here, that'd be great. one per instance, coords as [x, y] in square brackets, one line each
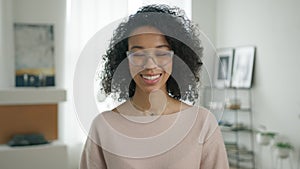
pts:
[47, 156]
[31, 95]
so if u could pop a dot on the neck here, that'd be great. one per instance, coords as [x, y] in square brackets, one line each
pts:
[154, 102]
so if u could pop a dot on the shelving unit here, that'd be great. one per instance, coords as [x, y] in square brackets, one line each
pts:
[236, 124]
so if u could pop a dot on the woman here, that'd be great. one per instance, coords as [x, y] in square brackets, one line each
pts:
[152, 66]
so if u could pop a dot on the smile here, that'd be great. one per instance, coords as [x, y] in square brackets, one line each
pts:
[151, 77]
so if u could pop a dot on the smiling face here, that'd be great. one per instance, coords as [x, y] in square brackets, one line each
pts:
[150, 76]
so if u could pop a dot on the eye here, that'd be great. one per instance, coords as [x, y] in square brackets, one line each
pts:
[138, 54]
[162, 53]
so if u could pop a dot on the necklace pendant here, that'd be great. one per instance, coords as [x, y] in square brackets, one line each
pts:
[149, 113]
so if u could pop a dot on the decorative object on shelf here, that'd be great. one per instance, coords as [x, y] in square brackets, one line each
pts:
[283, 149]
[216, 105]
[233, 103]
[243, 67]
[283, 153]
[225, 126]
[27, 140]
[239, 127]
[264, 138]
[223, 67]
[34, 54]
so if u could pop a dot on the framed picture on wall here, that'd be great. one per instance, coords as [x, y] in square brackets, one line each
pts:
[223, 67]
[34, 55]
[243, 67]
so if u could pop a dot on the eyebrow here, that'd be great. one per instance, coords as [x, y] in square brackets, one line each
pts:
[141, 47]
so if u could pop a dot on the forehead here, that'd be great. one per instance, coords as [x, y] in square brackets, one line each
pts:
[147, 36]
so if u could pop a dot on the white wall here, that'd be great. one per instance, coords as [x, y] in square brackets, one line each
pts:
[274, 27]
[204, 15]
[1, 35]
[6, 53]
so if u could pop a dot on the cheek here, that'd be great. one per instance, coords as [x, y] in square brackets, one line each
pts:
[134, 70]
[168, 68]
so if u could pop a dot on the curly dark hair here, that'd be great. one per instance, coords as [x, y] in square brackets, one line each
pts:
[182, 36]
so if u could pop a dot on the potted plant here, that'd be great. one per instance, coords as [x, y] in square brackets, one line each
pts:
[264, 138]
[283, 149]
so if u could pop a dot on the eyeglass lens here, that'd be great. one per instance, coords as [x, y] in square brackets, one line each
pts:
[159, 56]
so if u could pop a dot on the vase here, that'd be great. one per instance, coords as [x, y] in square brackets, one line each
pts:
[263, 139]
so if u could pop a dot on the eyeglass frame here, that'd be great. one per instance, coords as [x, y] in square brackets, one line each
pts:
[128, 53]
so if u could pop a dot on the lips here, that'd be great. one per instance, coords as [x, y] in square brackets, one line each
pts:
[151, 79]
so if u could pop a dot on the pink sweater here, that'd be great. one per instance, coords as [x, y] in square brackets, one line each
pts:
[189, 139]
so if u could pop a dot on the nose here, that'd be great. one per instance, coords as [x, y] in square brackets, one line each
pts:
[150, 63]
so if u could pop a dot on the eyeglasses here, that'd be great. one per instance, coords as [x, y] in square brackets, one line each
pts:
[160, 57]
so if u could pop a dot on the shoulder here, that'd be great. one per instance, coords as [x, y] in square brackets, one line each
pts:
[206, 123]
[101, 120]
[203, 114]
[103, 116]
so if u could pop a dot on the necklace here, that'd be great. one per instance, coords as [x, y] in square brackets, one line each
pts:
[146, 112]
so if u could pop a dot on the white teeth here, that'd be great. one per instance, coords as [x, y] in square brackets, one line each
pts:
[150, 77]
